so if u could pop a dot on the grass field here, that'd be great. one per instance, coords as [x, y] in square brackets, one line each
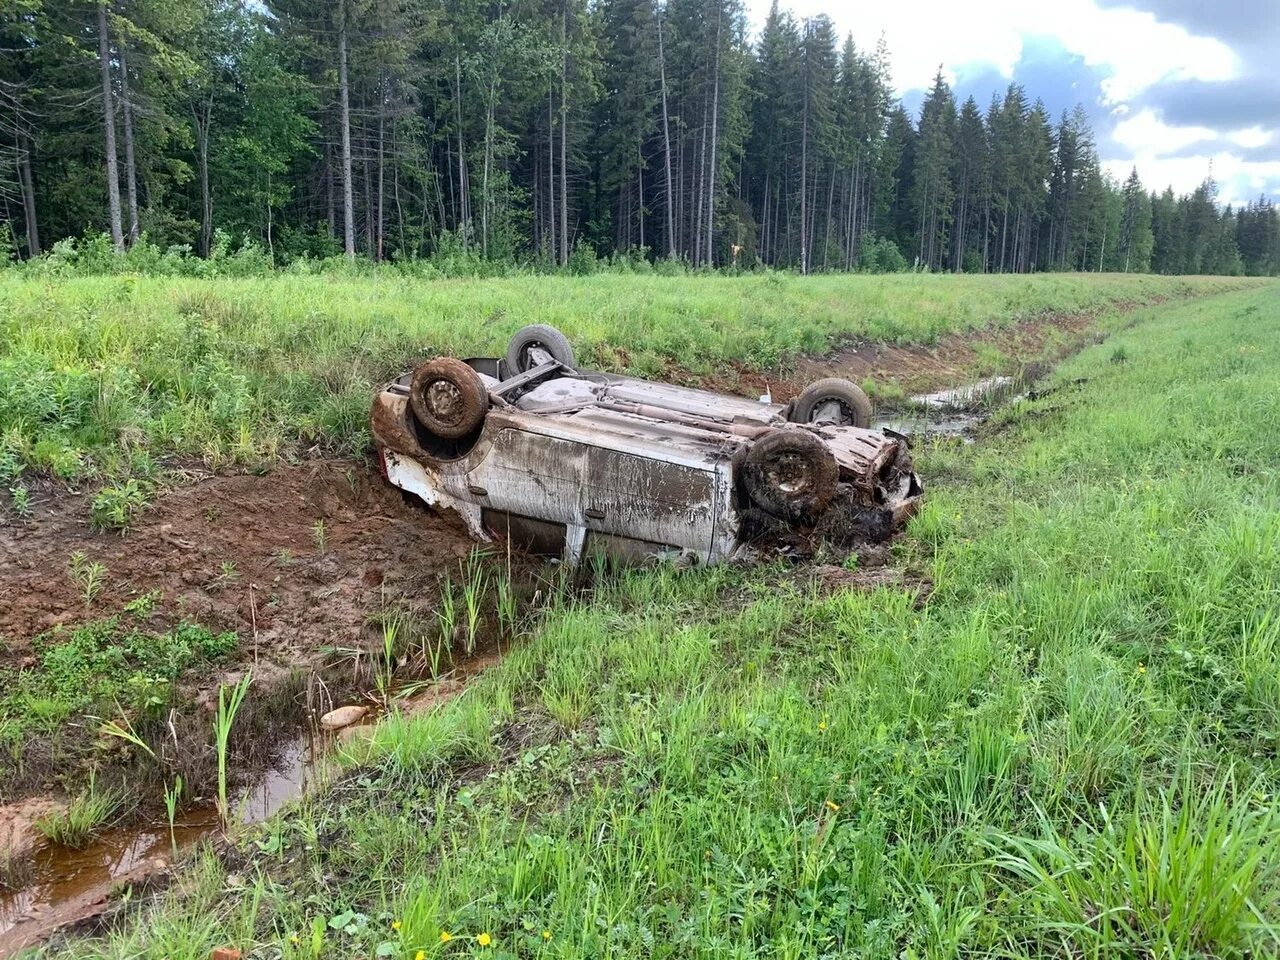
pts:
[100, 377]
[1069, 750]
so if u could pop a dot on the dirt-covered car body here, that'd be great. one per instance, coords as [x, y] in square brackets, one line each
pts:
[576, 462]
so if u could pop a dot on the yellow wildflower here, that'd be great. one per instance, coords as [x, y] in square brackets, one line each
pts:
[445, 936]
[546, 934]
[484, 939]
[822, 724]
[420, 955]
[295, 939]
[395, 924]
[831, 805]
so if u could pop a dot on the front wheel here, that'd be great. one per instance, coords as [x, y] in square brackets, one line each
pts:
[832, 400]
[791, 474]
[448, 397]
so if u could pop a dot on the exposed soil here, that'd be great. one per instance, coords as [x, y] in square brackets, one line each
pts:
[244, 553]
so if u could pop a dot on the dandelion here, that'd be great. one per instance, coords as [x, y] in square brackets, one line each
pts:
[822, 724]
[546, 934]
[420, 955]
[831, 805]
[445, 936]
[484, 939]
[395, 925]
[1142, 668]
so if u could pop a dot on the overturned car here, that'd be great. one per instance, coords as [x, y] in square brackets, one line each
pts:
[556, 459]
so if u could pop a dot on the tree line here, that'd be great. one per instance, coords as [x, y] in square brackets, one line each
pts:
[397, 129]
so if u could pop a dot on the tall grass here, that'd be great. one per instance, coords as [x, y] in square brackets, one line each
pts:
[105, 374]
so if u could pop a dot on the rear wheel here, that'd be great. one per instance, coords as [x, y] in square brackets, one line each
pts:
[448, 397]
[533, 344]
[832, 400]
[790, 474]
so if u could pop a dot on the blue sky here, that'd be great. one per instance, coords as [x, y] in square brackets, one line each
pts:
[1179, 88]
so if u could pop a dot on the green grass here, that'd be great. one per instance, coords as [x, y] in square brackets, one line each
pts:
[97, 668]
[1069, 751]
[84, 816]
[104, 375]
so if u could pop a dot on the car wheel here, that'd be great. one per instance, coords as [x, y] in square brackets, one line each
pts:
[832, 400]
[538, 336]
[448, 397]
[791, 474]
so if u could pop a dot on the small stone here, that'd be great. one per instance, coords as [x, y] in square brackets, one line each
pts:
[342, 717]
[224, 953]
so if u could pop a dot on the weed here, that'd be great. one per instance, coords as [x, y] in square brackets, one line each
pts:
[172, 795]
[475, 578]
[123, 730]
[88, 812]
[447, 614]
[88, 576]
[143, 605]
[318, 536]
[20, 500]
[226, 576]
[228, 707]
[114, 508]
[1120, 355]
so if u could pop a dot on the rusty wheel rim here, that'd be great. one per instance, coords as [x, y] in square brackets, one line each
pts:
[445, 401]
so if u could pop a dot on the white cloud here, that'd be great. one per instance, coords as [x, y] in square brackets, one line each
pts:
[1133, 48]
[1238, 180]
[1251, 137]
[1146, 131]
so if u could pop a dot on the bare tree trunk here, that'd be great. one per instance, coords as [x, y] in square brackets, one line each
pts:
[395, 188]
[344, 95]
[28, 198]
[203, 118]
[552, 247]
[130, 167]
[564, 134]
[666, 146]
[381, 223]
[640, 209]
[711, 169]
[109, 129]
[464, 212]
[328, 186]
[804, 173]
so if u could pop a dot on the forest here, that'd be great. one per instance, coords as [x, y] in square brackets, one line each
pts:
[551, 133]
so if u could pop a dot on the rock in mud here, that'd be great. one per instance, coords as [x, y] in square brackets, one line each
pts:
[342, 717]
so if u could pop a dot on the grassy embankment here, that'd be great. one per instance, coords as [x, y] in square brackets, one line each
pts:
[1069, 750]
[102, 376]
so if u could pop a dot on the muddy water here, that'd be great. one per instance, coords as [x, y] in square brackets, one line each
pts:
[69, 885]
[956, 412]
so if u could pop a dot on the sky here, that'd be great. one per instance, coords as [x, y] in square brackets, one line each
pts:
[1179, 88]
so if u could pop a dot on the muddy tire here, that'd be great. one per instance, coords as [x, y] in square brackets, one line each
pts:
[852, 405]
[448, 397]
[538, 335]
[790, 474]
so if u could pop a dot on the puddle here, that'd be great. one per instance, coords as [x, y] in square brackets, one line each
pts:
[956, 412]
[69, 885]
[967, 396]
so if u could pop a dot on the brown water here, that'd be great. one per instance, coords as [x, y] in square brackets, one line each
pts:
[957, 412]
[69, 885]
